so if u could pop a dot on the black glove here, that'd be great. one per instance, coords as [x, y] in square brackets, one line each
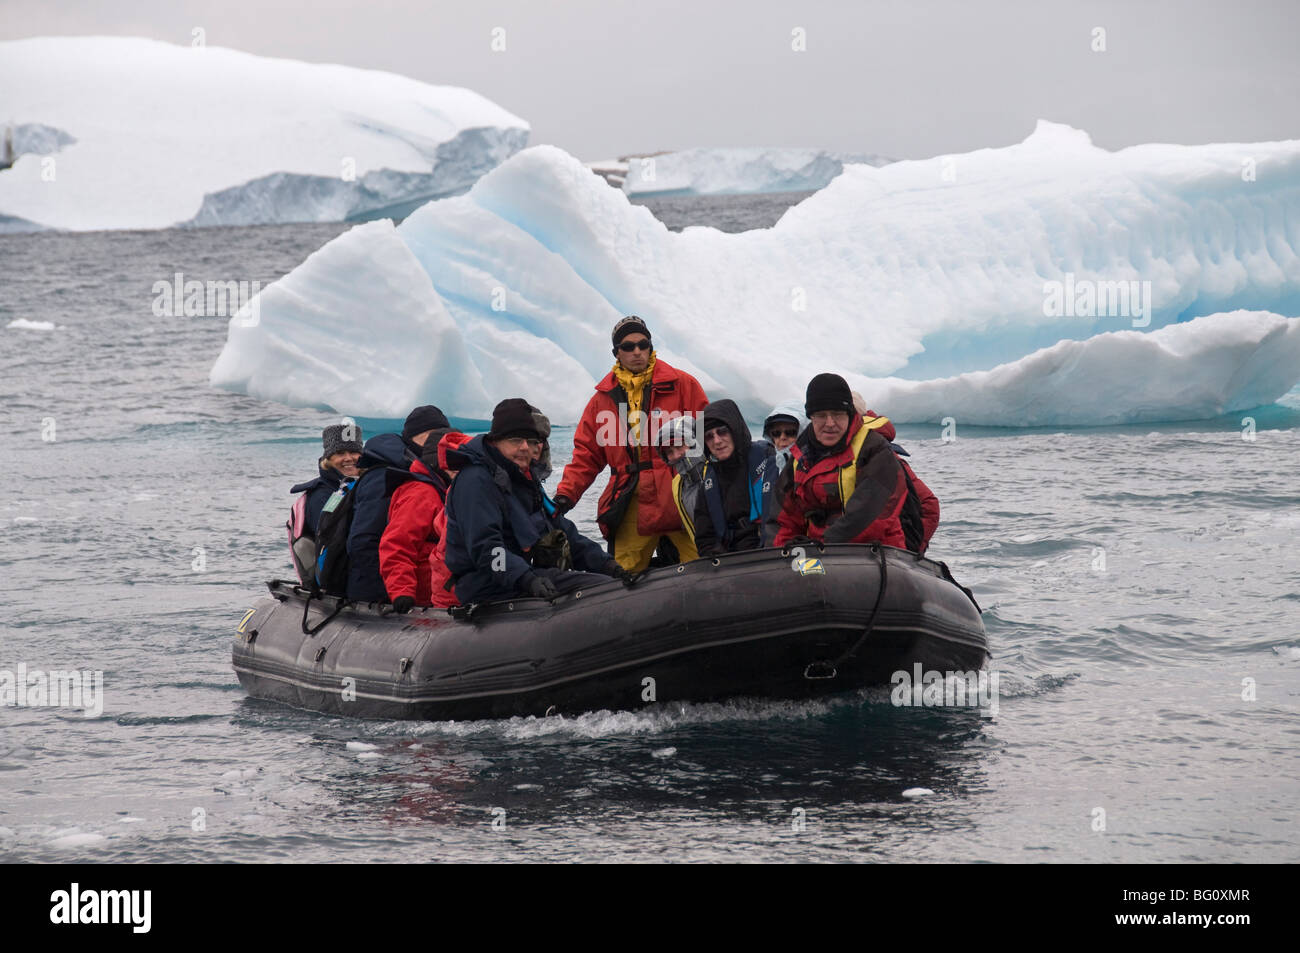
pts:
[562, 504]
[541, 587]
[614, 570]
[403, 604]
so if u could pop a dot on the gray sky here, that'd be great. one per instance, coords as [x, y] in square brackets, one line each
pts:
[910, 79]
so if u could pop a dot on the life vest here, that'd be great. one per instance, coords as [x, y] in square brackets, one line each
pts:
[760, 491]
[846, 465]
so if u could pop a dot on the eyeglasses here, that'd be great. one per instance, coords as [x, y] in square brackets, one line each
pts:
[784, 432]
[517, 442]
[719, 431]
[629, 346]
[827, 416]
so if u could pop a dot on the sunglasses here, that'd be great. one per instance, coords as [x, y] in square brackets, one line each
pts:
[628, 346]
[784, 432]
[712, 432]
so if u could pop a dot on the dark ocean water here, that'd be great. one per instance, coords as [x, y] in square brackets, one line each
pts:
[1139, 584]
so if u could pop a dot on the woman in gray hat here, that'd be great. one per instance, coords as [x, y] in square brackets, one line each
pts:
[341, 449]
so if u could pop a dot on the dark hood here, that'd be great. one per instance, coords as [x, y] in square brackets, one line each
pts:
[726, 412]
[429, 453]
[385, 450]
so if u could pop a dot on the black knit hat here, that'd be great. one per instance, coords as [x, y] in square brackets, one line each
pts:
[828, 392]
[422, 419]
[341, 438]
[513, 418]
[629, 325]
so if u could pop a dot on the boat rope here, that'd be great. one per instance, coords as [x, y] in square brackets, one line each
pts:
[320, 625]
[815, 671]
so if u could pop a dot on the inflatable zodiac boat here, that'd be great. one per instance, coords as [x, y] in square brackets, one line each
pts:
[767, 623]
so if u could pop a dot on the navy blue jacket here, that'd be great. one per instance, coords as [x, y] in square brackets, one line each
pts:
[385, 458]
[318, 491]
[495, 515]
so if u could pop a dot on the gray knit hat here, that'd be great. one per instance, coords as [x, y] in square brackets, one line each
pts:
[340, 438]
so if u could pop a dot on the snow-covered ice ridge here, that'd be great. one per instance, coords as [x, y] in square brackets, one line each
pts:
[145, 134]
[916, 280]
[737, 171]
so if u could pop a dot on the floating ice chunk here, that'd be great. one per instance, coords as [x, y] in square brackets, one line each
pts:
[361, 746]
[78, 839]
[917, 792]
[735, 171]
[150, 135]
[26, 324]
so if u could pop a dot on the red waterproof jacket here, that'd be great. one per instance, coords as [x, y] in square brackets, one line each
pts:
[443, 595]
[843, 497]
[601, 440]
[410, 537]
[929, 503]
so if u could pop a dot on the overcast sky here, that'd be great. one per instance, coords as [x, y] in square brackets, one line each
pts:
[908, 79]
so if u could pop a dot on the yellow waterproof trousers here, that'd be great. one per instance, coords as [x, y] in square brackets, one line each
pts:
[633, 552]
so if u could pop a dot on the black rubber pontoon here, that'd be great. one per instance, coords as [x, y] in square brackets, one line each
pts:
[762, 624]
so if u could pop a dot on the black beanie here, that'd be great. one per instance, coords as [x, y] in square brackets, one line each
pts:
[340, 438]
[424, 418]
[513, 418]
[629, 325]
[828, 392]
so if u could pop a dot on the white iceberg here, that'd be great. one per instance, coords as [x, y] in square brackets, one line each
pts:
[908, 279]
[735, 171]
[123, 132]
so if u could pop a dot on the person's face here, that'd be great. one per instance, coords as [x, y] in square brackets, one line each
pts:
[783, 435]
[638, 357]
[421, 438]
[719, 441]
[345, 462]
[673, 454]
[829, 426]
[519, 450]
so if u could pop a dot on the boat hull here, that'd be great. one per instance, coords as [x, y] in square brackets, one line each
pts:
[760, 624]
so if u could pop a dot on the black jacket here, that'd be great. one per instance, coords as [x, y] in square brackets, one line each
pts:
[318, 491]
[743, 483]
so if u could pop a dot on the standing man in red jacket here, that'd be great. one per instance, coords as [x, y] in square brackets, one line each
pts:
[618, 428]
